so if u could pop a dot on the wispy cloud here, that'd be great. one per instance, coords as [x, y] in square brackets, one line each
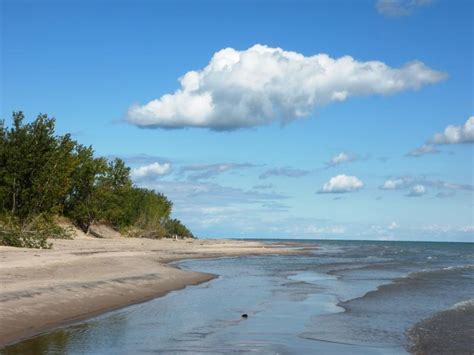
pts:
[284, 171]
[341, 158]
[445, 194]
[261, 85]
[417, 186]
[423, 150]
[207, 171]
[211, 194]
[263, 186]
[397, 8]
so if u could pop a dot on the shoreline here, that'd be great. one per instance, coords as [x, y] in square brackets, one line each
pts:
[41, 290]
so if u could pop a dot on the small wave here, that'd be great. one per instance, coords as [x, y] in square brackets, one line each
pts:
[464, 305]
[311, 277]
[444, 270]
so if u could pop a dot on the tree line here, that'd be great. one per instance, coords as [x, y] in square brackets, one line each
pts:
[44, 175]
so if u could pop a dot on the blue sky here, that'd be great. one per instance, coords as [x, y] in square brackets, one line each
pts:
[289, 140]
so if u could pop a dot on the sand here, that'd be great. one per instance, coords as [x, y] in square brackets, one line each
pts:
[43, 289]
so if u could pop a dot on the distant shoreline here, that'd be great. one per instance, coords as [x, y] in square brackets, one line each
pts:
[41, 290]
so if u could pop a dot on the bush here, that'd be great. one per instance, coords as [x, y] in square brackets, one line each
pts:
[23, 234]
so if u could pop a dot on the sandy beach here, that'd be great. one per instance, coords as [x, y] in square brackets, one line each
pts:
[80, 278]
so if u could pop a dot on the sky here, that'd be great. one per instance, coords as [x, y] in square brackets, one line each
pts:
[264, 119]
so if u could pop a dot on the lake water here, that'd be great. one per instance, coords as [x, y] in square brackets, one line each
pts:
[346, 297]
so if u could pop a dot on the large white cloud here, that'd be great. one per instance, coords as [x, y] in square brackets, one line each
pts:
[342, 184]
[456, 134]
[261, 85]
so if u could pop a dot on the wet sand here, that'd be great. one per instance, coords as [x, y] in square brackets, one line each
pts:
[447, 332]
[43, 289]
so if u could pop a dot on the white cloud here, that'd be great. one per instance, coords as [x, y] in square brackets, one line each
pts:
[399, 7]
[416, 191]
[342, 184]
[394, 184]
[452, 134]
[456, 134]
[262, 85]
[151, 171]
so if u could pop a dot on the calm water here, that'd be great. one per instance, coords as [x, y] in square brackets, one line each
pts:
[345, 298]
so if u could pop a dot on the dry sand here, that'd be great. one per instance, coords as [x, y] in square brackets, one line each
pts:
[44, 289]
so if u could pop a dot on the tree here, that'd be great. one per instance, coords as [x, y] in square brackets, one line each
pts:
[174, 227]
[35, 168]
[82, 202]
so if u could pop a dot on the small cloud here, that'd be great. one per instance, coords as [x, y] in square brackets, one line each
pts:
[452, 134]
[397, 8]
[284, 171]
[416, 191]
[393, 225]
[340, 158]
[341, 184]
[151, 171]
[456, 134]
[394, 184]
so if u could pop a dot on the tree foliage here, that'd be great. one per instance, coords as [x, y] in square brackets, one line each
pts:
[44, 174]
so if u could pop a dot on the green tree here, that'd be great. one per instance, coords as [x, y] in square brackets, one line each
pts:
[174, 227]
[36, 167]
[82, 202]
